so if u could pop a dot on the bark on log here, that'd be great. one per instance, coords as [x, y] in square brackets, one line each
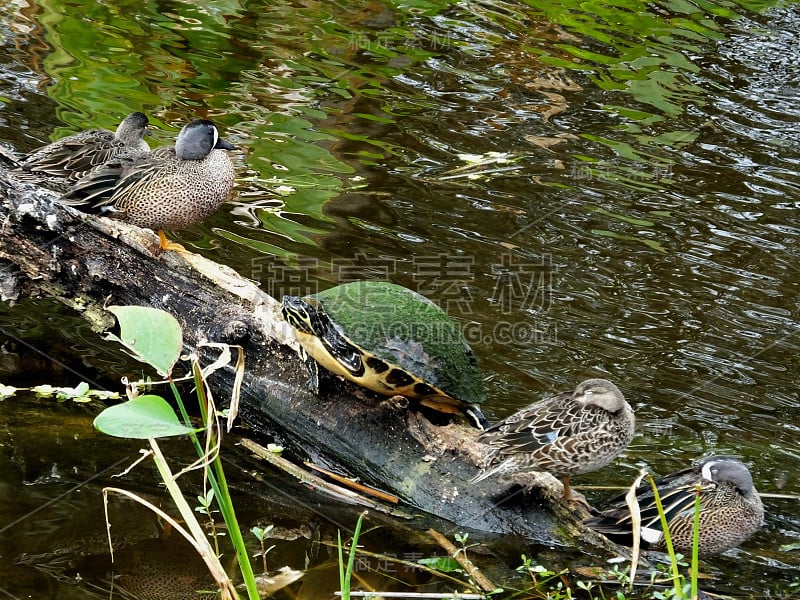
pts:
[84, 261]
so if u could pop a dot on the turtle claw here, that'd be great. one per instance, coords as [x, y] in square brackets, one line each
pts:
[398, 402]
[312, 385]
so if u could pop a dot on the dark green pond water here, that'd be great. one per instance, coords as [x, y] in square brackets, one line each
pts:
[603, 188]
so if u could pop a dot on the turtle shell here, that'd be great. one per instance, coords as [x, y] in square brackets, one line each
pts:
[391, 340]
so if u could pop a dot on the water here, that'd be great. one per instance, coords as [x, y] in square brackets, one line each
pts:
[593, 189]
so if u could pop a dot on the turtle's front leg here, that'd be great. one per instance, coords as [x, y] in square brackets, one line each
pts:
[313, 372]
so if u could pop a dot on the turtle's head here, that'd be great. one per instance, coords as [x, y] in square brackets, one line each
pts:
[300, 313]
[601, 393]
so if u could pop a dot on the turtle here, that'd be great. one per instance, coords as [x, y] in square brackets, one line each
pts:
[391, 340]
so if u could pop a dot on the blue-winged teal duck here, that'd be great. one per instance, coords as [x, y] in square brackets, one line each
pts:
[60, 164]
[171, 188]
[730, 509]
[567, 434]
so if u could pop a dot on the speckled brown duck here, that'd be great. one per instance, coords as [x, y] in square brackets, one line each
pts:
[171, 188]
[566, 434]
[730, 509]
[62, 163]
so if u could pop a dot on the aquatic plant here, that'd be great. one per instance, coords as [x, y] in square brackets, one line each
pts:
[154, 337]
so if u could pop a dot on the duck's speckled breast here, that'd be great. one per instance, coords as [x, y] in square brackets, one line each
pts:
[186, 192]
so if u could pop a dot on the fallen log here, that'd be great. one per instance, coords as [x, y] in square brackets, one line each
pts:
[86, 262]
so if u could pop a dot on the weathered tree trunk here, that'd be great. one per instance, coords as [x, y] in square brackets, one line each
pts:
[49, 249]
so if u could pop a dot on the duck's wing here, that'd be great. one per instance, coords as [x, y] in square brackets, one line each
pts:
[536, 426]
[74, 156]
[677, 494]
[116, 181]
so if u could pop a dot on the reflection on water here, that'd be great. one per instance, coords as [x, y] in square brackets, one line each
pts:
[592, 189]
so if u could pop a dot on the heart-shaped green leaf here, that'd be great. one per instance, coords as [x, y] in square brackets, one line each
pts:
[147, 416]
[150, 334]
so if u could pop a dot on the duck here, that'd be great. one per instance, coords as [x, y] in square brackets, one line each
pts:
[567, 434]
[61, 164]
[169, 188]
[730, 509]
